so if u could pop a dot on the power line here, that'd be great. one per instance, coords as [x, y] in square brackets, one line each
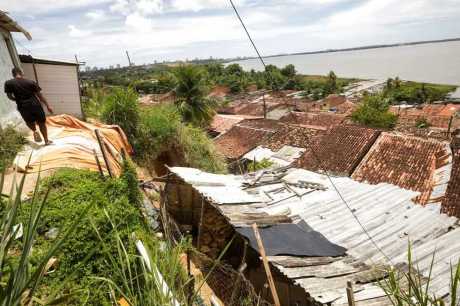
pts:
[318, 160]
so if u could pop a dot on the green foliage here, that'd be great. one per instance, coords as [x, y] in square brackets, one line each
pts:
[129, 176]
[93, 104]
[319, 87]
[157, 131]
[422, 123]
[81, 257]
[21, 275]
[415, 93]
[191, 95]
[259, 165]
[121, 108]
[374, 111]
[234, 69]
[162, 83]
[289, 71]
[199, 150]
[162, 130]
[11, 142]
[410, 288]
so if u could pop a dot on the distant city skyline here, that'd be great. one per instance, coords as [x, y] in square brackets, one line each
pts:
[99, 31]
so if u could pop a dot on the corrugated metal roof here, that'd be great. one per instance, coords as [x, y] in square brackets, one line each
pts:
[386, 211]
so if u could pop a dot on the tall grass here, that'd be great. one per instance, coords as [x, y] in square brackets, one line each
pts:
[19, 282]
[411, 288]
[11, 143]
[121, 108]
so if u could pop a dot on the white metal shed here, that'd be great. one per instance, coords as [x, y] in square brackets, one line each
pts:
[59, 82]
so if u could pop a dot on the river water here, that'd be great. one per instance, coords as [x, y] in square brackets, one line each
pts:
[431, 63]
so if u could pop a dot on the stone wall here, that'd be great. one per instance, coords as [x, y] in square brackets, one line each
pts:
[188, 208]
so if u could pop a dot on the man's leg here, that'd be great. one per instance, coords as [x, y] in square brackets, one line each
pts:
[32, 126]
[44, 131]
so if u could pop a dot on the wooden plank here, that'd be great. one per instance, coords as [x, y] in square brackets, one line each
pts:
[294, 262]
[334, 269]
[271, 282]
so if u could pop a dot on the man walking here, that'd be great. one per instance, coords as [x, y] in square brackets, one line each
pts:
[27, 95]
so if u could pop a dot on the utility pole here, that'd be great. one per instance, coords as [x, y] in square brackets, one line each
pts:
[129, 60]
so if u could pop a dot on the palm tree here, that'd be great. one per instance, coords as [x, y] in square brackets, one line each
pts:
[191, 92]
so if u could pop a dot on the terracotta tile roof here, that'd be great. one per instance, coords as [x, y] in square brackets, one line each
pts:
[340, 149]
[437, 115]
[406, 161]
[223, 123]
[451, 201]
[313, 119]
[244, 137]
[334, 100]
[292, 135]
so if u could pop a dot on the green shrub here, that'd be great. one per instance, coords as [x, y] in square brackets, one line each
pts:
[93, 104]
[199, 150]
[259, 165]
[162, 130]
[374, 111]
[11, 142]
[415, 93]
[80, 257]
[121, 108]
[422, 123]
[157, 131]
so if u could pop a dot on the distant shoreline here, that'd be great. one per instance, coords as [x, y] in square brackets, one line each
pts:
[354, 48]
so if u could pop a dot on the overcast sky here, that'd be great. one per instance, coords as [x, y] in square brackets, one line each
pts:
[99, 31]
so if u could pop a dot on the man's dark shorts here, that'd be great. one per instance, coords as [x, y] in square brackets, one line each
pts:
[32, 112]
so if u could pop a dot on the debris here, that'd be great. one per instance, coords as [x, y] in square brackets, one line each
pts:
[52, 233]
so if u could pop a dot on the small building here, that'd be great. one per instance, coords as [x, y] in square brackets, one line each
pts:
[8, 60]
[59, 82]
[292, 205]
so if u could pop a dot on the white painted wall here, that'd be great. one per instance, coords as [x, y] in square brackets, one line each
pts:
[8, 113]
[59, 85]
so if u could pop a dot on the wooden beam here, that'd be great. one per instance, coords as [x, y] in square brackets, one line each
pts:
[104, 154]
[350, 294]
[271, 282]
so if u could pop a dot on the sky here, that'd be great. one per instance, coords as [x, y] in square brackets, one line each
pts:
[99, 31]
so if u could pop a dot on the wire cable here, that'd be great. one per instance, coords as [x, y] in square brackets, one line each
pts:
[315, 156]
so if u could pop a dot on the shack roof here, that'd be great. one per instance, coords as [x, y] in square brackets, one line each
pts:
[384, 210]
[414, 163]
[323, 119]
[7, 23]
[340, 149]
[32, 60]
[244, 136]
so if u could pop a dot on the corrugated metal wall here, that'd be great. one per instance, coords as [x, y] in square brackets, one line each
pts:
[59, 85]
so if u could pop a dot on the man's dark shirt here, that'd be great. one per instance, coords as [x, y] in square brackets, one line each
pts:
[23, 90]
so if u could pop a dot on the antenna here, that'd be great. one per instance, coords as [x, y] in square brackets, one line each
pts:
[129, 60]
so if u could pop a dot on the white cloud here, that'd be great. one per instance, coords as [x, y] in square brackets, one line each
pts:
[139, 22]
[39, 6]
[96, 15]
[77, 33]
